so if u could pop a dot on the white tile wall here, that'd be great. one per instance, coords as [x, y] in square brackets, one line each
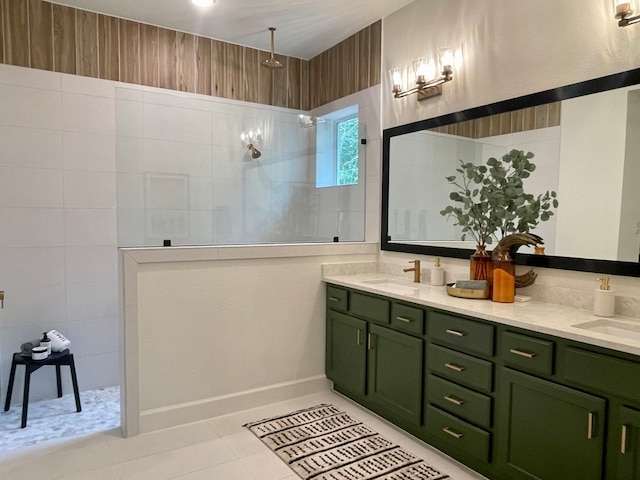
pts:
[30, 147]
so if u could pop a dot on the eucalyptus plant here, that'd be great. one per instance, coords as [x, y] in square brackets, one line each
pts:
[491, 202]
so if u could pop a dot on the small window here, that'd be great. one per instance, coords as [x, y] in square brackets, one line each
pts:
[337, 143]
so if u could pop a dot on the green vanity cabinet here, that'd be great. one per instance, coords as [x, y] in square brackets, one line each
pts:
[395, 372]
[627, 445]
[548, 431]
[346, 352]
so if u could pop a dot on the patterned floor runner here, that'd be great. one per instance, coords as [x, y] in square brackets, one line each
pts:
[324, 443]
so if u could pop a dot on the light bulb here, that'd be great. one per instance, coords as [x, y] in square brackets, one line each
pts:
[446, 57]
[203, 3]
[396, 79]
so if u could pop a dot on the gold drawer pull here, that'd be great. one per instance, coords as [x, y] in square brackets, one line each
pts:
[590, 419]
[369, 344]
[455, 333]
[522, 354]
[623, 440]
[404, 319]
[334, 299]
[455, 367]
[448, 431]
[454, 400]
[358, 337]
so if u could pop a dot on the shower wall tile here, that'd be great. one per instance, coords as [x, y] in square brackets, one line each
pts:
[130, 191]
[30, 107]
[89, 151]
[30, 147]
[177, 158]
[30, 187]
[88, 86]
[90, 226]
[129, 119]
[29, 77]
[91, 301]
[83, 189]
[33, 306]
[84, 333]
[129, 154]
[90, 114]
[31, 266]
[177, 124]
[31, 227]
[91, 263]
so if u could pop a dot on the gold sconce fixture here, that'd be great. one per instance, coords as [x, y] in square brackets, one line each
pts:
[624, 11]
[427, 83]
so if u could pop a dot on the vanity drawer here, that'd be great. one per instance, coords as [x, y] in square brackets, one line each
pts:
[457, 433]
[337, 298]
[460, 401]
[461, 368]
[466, 334]
[407, 318]
[529, 353]
[372, 308]
[603, 373]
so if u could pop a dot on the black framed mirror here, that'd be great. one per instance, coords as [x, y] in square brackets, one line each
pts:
[408, 167]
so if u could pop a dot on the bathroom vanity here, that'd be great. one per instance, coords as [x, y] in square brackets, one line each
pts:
[514, 391]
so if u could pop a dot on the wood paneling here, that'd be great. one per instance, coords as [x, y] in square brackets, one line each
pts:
[167, 77]
[203, 65]
[217, 68]
[16, 32]
[87, 43]
[129, 51]
[293, 73]
[2, 31]
[149, 56]
[41, 34]
[542, 116]
[64, 39]
[186, 62]
[233, 69]
[108, 54]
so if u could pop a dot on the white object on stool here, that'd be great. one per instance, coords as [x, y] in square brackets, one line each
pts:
[58, 341]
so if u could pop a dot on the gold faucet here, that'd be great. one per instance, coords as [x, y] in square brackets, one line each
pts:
[415, 270]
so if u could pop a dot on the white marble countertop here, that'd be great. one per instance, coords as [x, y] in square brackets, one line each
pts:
[552, 319]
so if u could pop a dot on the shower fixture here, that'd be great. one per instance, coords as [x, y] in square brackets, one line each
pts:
[271, 62]
[255, 153]
[307, 121]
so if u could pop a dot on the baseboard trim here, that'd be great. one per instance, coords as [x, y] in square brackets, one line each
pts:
[174, 415]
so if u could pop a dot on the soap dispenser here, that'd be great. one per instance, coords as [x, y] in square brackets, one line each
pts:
[437, 273]
[604, 299]
[46, 342]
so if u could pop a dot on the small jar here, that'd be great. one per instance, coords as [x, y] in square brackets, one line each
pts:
[39, 353]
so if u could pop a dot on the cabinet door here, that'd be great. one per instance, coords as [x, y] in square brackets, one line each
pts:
[395, 372]
[548, 431]
[627, 445]
[346, 355]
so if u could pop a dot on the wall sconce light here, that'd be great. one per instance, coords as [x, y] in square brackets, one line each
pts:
[307, 121]
[624, 10]
[427, 83]
[252, 140]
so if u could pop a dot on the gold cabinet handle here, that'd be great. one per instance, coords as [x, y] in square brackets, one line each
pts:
[358, 337]
[404, 319]
[454, 400]
[369, 345]
[334, 299]
[515, 351]
[1, 298]
[623, 440]
[455, 333]
[455, 367]
[590, 419]
[448, 431]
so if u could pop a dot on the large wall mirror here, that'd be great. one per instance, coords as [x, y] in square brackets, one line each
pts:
[586, 142]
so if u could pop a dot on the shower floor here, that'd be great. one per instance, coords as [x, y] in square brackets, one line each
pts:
[57, 418]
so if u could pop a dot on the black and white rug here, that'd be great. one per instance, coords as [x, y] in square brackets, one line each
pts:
[324, 443]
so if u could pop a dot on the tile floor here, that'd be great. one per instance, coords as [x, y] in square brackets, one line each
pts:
[215, 449]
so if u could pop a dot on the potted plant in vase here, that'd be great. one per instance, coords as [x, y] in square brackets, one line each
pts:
[492, 200]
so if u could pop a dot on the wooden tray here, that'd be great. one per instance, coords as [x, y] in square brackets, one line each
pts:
[467, 292]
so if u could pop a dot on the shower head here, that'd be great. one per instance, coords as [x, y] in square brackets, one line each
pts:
[255, 153]
[271, 62]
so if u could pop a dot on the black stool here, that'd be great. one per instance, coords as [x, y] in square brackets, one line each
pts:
[30, 365]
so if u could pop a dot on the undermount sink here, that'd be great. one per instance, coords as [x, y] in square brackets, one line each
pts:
[612, 327]
[393, 286]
